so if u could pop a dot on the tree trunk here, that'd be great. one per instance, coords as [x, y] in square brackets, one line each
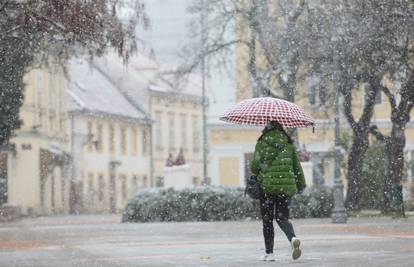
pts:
[360, 142]
[387, 184]
[393, 201]
[355, 160]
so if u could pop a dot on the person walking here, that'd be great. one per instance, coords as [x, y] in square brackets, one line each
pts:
[280, 175]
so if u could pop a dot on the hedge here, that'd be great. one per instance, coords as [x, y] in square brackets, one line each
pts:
[215, 204]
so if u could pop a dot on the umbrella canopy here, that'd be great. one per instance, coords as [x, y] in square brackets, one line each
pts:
[260, 111]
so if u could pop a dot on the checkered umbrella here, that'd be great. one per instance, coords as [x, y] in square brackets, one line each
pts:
[259, 111]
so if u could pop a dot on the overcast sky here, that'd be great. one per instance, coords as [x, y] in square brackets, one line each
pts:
[168, 34]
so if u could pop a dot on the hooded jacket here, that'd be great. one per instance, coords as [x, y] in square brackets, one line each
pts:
[276, 165]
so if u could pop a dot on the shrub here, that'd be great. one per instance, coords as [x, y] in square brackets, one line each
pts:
[315, 202]
[374, 170]
[214, 204]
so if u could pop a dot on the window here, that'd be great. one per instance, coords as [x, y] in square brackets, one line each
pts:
[111, 139]
[144, 142]
[134, 183]
[100, 138]
[183, 131]
[124, 192]
[171, 131]
[51, 102]
[312, 95]
[38, 96]
[158, 131]
[101, 187]
[62, 106]
[378, 97]
[90, 183]
[51, 122]
[123, 141]
[90, 135]
[412, 165]
[316, 91]
[134, 143]
[145, 181]
[196, 181]
[159, 181]
[196, 133]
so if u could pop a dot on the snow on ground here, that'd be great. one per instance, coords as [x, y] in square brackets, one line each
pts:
[100, 240]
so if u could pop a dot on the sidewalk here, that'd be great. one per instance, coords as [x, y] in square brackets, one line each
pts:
[100, 240]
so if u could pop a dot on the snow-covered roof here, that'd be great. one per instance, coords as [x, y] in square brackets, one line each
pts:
[132, 79]
[91, 91]
[168, 82]
[141, 75]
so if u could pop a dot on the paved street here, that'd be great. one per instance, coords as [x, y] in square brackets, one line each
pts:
[100, 240]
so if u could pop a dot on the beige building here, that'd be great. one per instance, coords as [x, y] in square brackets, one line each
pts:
[109, 145]
[37, 160]
[174, 107]
[177, 113]
[231, 148]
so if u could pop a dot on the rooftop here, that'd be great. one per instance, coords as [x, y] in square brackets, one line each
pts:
[91, 91]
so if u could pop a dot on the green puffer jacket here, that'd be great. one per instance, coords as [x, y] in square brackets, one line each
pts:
[276, 165]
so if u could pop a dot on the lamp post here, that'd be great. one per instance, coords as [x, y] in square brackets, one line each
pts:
[203, 88]
[339, 214]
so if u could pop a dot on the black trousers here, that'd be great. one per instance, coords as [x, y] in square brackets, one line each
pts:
[275, 208]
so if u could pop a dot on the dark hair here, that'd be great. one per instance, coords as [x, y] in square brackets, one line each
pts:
[274, 125]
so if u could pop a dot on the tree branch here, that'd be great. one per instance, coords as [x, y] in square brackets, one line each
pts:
[51, 21]
[11, 30]
[298, 11]
[373, 129]
[212, 49]
[3, 6]
[390, 96]
[348, 110]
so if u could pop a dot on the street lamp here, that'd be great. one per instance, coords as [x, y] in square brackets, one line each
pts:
[339, 214]
[203, 87]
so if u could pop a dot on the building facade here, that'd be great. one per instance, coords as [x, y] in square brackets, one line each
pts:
[109, 142]
[177, 127]
[38, 158]
[94, 135]
[173, 105]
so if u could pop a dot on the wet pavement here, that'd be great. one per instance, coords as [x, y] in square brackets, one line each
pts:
[101, 240]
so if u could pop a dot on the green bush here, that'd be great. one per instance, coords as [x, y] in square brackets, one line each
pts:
[373, 175]
[214, 204]
[315, 202]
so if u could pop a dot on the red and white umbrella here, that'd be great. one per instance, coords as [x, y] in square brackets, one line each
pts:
[260, 111]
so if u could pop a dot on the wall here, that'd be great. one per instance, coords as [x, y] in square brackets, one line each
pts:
[93, 164]
[44, 116]
[171, 139]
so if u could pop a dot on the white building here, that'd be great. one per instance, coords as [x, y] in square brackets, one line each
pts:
[110, 141]
[173, 105]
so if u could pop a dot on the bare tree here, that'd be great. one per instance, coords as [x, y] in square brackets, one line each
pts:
[289, 41]
[271, 41]
[398, 43]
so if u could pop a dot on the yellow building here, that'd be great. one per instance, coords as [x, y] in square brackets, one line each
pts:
[231, 148]
[231, 145]
[38, 159]
[177, 113]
